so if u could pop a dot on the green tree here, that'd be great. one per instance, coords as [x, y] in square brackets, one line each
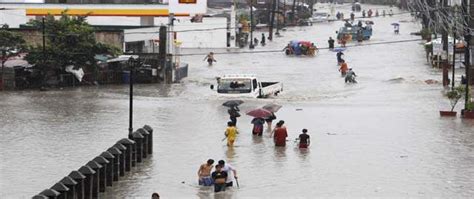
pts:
[70, 40]
[10, 44]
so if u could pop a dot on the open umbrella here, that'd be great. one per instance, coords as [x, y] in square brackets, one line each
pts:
[232, 103]
[395, 24]
[260, 112]
[272, 107]
[338, 49]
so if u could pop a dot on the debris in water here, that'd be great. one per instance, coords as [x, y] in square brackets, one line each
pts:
[431, 81]
[395, 80]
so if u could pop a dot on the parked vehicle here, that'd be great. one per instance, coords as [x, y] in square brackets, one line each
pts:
[356, 7]
[320, 17]
[243, 85]
[304, 22]
[355, 32]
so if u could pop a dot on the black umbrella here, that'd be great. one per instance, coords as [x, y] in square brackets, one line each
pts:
[272, 107]
[232, 103]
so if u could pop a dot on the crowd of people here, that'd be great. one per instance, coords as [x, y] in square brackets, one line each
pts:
[222, 175]
[300, 48]
[365, 14]
[346, 72]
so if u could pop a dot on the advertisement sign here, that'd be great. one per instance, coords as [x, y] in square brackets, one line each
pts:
[188, 6]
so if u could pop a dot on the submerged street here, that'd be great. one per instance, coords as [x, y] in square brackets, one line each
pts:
[382, 137]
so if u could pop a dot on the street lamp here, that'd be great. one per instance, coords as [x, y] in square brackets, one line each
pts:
[132, 64]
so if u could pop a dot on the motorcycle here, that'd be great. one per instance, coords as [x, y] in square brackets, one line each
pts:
[350, 79]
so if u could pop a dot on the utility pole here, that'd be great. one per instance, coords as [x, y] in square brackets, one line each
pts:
[293, 11]
[277, 18]
[444, 39]
[131, 65]
[162, 49]
[284, 12]
[251, 46]
[272, 20]
[467, 50]
[43, 67]
[4, 59]
[170, 50]
[454, 55]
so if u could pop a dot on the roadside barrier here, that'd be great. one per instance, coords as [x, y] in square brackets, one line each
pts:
[99, 173]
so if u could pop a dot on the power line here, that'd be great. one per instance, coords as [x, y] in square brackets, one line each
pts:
[324, 48]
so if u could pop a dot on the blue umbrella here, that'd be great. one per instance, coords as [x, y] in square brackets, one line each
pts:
[293, 42]
[338, 49]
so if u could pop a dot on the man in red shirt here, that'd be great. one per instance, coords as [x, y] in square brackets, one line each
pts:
[280, 134]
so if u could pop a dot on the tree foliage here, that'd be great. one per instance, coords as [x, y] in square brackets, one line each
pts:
[70, 40]
[10, 43]
[455, 95]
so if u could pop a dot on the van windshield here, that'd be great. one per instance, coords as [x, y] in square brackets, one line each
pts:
[234, 86]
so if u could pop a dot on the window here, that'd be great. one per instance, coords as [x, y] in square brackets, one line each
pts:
[254, 83]
[234, 86]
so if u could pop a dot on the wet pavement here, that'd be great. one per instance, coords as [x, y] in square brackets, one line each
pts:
[382, 137]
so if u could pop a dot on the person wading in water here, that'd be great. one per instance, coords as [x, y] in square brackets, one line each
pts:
[204, 173]
[304, 139]
[280, 134]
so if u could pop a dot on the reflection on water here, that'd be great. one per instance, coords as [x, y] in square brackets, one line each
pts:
[257, 139]
[280, 156]
[303, 153]
[230, 153]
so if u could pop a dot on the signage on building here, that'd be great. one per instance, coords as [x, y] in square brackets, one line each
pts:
[188, 6]
[187, 1]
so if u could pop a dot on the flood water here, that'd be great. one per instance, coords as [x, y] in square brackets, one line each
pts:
[380, 138]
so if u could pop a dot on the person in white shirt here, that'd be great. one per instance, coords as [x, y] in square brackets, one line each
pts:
[231, 173]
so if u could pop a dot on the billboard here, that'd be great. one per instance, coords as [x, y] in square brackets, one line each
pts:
[187, 6]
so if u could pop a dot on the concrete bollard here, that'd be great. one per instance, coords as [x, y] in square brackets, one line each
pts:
[146, 136]
[138, 138]
[123, 150]
[96, 178]
[103, 172]
[71, 184]
[116, 152]
[40, 196]
[150, 139]
[62, 189]
[50, 193]
[130, 144]
[79, 178]
[89, 173]
[110, 167]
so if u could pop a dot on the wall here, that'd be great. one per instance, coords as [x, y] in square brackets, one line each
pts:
[13, 17]
[211, 33]
[114, 38]
[34, 37]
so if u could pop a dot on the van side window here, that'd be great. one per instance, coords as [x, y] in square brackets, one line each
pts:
[254, 83]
